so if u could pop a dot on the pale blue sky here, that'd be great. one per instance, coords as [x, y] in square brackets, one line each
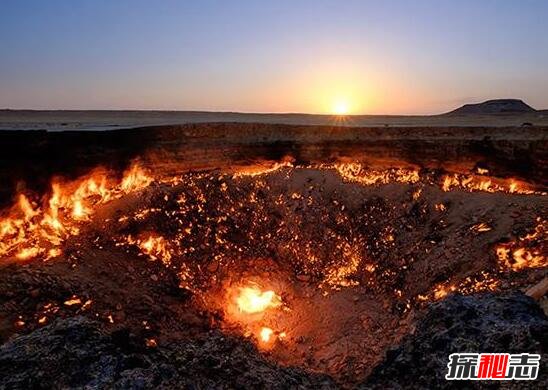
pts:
[272, 56]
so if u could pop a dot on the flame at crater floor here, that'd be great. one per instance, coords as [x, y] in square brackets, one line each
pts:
[253, 300]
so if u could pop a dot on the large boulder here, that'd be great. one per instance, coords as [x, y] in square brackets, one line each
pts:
[484, 323]
[78, 353]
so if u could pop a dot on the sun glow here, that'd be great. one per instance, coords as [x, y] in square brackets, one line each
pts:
[341, 107]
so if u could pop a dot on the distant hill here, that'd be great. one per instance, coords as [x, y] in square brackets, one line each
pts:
[498, 106]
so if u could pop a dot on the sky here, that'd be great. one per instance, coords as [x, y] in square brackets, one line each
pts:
[358, 57]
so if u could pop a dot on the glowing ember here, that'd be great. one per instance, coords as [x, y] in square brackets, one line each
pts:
[440, 207]
[87, 304]
[480, 227]
[73, 301]
[521, 258]
[341, 274]
[153, 246]
[483, 281]
[266, 334]
[442, 291]
[527, 251]
[151, 343]
[253, 300]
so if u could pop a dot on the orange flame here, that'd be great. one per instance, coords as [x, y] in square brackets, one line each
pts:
[261, 170]
[355, 172]
[28, 231]
[480, 183]
[266, 334]
[135, 179]
[155, 247]
[521, 258]
[253, 300]
[526, 251]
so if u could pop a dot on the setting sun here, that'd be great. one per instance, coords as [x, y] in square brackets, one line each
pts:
[341, 107]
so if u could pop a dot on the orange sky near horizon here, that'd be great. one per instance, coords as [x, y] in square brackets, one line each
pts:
[311, 56]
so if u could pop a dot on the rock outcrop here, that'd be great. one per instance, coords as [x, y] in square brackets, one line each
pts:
[497, 106]
[510, 323]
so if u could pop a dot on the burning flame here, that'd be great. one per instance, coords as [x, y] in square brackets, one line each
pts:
[521, 258]
[261, 170]
[246, 303]
[253, 300]
[526, 251]
[156, 247]
[266, 334]
[134, 180]
[355, 172]
[30, 230]
[27, 253]
[480, 183]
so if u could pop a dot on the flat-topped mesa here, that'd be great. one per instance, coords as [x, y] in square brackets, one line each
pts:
[496, 106]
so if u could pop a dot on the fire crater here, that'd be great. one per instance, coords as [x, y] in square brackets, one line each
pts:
[323, 266]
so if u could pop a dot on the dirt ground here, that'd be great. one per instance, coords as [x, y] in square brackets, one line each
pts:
[107, 120]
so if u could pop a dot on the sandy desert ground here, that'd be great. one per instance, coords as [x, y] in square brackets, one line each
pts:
[104, 120]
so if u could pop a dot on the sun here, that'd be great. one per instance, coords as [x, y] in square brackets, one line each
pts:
[340, 107]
